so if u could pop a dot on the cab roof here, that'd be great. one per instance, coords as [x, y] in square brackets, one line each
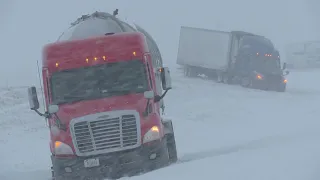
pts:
[73, 53]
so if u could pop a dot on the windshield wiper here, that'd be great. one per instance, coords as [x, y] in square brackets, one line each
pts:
[115, 92]
[73, 99]
[69, 99]
[121, 92]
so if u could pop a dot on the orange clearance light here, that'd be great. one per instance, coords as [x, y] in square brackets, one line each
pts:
[259, 76]
[95, 58]
[134, 53]
[87, 60]
[57, 64]
[285, 81]
[104, 57]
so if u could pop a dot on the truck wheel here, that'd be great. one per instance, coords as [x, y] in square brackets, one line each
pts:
[246, 82]
[172, 149]
[52, 174]
[226, 78]
[190, 71]
[282, 89]
[220, 77]
[186, 71]
[170, 141]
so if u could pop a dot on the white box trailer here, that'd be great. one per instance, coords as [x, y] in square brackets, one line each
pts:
[204, 48]
[235, 57]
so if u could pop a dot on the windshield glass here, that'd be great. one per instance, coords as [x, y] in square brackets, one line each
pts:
[258, 43]
[110, 79]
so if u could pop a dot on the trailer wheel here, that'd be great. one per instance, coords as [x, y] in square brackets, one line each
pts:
[226, 78]
[190, 71]
[186, 71]
[220, 77]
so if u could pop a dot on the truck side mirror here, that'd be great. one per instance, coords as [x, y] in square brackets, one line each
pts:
[284, 66]
[166, 78]
[33, 98]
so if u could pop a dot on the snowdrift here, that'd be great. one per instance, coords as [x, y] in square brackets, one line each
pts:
[223, 132]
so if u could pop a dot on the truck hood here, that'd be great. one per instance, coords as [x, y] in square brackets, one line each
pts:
[127, 102]
[276, 72]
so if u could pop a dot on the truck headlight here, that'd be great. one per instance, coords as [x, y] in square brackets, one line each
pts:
[152, 134]
[61, 148]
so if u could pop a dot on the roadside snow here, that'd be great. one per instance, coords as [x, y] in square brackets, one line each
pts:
[223, 132]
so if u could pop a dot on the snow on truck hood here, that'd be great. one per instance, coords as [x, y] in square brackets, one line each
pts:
[86, 107]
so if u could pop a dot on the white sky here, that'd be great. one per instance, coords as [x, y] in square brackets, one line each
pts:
[28, 25]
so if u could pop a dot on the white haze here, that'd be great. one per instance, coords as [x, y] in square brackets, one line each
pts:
[27, 25]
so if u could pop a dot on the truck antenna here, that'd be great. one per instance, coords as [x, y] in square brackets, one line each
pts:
[41, 87]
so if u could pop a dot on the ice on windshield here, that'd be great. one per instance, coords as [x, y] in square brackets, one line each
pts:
[105, 80]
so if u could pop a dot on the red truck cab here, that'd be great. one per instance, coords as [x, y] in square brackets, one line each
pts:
[102, 106]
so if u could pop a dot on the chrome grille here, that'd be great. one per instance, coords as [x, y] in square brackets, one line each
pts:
[271, 79]
[106, 134]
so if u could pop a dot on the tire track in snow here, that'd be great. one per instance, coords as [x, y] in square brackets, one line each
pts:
[251, 145]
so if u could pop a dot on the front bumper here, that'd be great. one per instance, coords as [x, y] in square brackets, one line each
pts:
[269, 85]
[112, 165]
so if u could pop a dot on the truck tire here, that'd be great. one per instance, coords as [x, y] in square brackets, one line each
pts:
[226, 79]
[171, 142]
[172, 148]
[246, 82]
[282, 89]
[190, 71]
[219, 77]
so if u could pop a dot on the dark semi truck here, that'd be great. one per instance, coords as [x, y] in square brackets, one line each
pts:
[235, 57]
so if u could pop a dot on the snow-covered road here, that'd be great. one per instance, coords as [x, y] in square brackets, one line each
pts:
[223, 132]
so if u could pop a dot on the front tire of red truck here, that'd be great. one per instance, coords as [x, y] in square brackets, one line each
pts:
[172, 150]
[150, 156]
[171, 142]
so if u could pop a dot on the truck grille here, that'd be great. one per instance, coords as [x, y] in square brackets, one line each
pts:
[272, 79]
[106, 135]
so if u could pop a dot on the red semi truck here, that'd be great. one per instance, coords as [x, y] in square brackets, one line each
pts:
[103, 100]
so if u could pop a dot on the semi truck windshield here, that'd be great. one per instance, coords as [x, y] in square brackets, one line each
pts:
[257, 43]
[110, 79]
